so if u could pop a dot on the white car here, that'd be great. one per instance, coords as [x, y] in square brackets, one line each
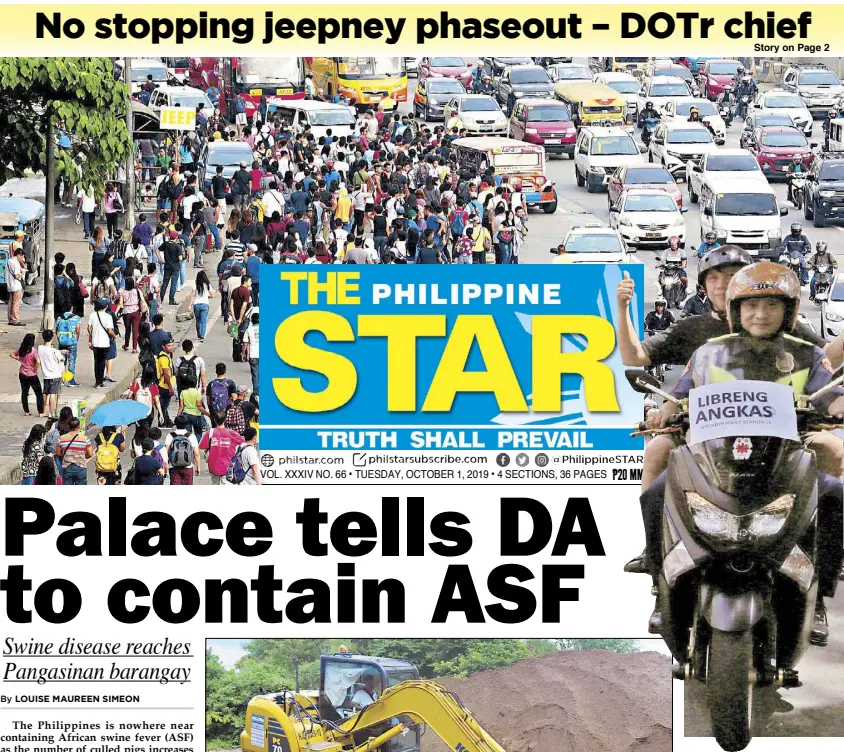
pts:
[180, 96]
[626, 85]
[678, 111]
[676, 144]
[786, 102]
[660, 90]
[479, 114]
[832, 311]
[646, 218]
[597, 244]
[599, 152]
[724, 163]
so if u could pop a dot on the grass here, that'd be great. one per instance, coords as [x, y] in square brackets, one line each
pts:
[216, 744]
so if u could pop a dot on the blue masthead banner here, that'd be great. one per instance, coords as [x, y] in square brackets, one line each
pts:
[464, 357]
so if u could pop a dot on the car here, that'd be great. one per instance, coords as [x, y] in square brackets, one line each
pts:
[479, 114]
[570, 73]
[715, 75]
[678, 111]
[597, 244]
[676, 145]
[675, 70]
[823, 193]
[785, 103]
[756, 119]
[651, 176]
[229, 154]
[832, 310]
[660, 90]
[522, 81]
[544, 121]
[600, 151]
[625, 84]
[432, 94]
[724, 163]
[815, 84]
[411, 65]
[647, 218]
[445, 67]
[774, 147]
[495, 66]
[179, 96]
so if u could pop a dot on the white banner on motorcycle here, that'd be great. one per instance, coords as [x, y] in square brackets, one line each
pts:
[742, 408]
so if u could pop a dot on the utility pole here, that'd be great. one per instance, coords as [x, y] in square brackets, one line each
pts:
[130, 160]
[48, 314]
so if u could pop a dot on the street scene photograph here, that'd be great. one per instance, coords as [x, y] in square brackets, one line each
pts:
[434, 695]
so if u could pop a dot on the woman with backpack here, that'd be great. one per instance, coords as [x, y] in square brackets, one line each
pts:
[110, 442]
[33, 451]
[103, 286]
[27, 356]
[201, 302]
[145, 391]
[198, 232]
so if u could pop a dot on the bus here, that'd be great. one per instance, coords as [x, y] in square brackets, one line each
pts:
[249, 78]
[366, 79]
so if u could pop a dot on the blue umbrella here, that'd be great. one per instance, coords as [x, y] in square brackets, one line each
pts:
[119, 413]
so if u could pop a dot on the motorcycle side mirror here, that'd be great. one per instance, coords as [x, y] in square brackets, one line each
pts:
[813, 146]
[684, 209]
[707, 211]
[641, 381]
[783, 211]
[643, 148]
[659, 140]
[615, 208]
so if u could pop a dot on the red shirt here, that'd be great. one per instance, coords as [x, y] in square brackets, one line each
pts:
[221, 444]
[257, 175]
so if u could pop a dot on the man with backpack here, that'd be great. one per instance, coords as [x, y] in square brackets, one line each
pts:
[240, 115]
[244, 467]
[220, 445]
[68, 331]
[110, 443]
[241, 190]
[182, 450]
[220, 391]
[458, 219]
[166, 379]
[190, 369]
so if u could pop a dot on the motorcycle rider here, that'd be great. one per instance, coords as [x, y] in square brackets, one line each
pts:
[821, 257]
[477, 75]
[673, 255]
[660, 318]
[795, 168]
[797, 245]
[649, 112]
[710, 243]
[827, 122]
[746, 88]
[727, 101]
[486, 85]
[698, 304]
[762, 306]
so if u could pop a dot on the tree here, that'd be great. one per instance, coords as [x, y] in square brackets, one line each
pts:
[80, 92]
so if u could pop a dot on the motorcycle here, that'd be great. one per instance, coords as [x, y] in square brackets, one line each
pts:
[648, 129]
[795, 263]
[726, 115]
[823, 281]
[737, 561]
[797, 183]
[742, 106]
[671, 282]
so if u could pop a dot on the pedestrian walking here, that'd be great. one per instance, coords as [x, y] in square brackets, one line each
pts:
[15, 277]
[52, 369]
[201, 301]
[182, 449]
[74, 449]
[101, 335]
[132, 305]
[27, 356]
[32, 451]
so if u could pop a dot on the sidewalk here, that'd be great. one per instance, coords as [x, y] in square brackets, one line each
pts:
[14, 427]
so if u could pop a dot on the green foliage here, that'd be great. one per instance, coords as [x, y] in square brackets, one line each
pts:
[78, 91]
[615, 646]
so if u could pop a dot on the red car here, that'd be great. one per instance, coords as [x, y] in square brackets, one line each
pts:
[544, 121]
[774, 147]
[715, 75]
[642, 176]
[446, 67]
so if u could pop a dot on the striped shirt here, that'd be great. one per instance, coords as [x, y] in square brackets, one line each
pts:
[238, 249]
[73, 449]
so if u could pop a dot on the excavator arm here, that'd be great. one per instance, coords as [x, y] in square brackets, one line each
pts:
[423, 702]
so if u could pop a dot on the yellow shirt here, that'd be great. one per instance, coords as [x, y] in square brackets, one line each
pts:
[478, 237]
[161, 362]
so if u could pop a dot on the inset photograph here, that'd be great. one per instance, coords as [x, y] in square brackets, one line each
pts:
[435, 695]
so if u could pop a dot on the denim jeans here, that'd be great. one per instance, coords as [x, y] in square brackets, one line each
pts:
[253, 370]
[198, 248]
[148, 171]
[200, 314]
[74, 475]
[171, 279]
[71, 356]
[464, 259]
[215, 233]
[197, 423]
[88, 223]
[506, 249]
[183, 272]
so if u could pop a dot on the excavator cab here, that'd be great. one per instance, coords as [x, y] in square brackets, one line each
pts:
[349, 682]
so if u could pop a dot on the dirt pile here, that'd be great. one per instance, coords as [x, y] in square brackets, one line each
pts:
[576, 701]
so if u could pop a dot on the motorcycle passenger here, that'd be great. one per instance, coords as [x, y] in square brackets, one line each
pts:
[660, 318]
[694, 115]
[698, 304]
[486, 85]
[827, 122]
[477, 75]
[673, 255]
[710, 243]
[795, 168]
[797, 245]
[821, 257]
[762, 306]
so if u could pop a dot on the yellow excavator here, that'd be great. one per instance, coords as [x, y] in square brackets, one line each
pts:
[364, 704]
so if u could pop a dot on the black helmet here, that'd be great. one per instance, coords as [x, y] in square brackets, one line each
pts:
[710, 234]
[649, 105]
[726, 255]
[796, 228]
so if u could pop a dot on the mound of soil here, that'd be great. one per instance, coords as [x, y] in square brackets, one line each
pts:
[576, 701]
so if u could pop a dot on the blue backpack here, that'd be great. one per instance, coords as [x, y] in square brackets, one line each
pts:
[236, 472]
[240, 106]
[66, 331]
[458, 224]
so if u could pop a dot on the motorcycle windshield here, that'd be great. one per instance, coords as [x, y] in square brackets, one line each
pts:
[743, 466]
